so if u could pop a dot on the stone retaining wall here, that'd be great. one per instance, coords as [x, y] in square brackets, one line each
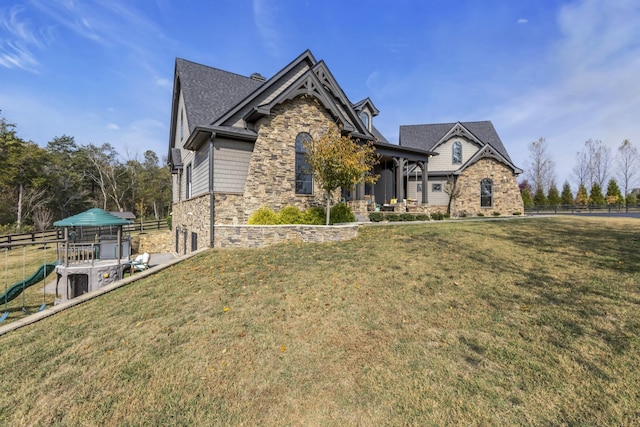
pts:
[259, 236]
[156, 242]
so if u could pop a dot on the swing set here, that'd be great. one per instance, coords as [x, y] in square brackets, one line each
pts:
[13, 291]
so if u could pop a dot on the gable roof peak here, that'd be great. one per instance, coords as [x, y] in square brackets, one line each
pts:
[367, 102]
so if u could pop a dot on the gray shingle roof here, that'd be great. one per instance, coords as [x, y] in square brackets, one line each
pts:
[209, 92]
[427, 136]
[378, 135]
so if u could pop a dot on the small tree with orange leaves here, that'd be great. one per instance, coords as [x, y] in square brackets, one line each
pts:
[338, 161]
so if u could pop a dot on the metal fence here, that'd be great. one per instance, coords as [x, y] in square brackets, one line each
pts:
[57, 234]
[572, 209]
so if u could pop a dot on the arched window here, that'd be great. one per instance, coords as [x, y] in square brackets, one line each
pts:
[486, 193]
[304, 178]
[457, 153]
[365, 119]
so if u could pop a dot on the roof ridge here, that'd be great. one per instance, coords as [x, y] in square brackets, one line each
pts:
[213, 68]
[448, 123]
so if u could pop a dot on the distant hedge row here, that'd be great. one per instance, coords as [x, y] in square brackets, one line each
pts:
[406, 216]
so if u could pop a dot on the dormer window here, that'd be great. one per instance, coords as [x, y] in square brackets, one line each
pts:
[457, 153]
[365, 119]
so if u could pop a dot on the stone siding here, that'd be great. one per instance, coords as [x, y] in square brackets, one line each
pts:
[229, 209]
[271, 176]
[189, 217]
[506, 195]
[259, 236]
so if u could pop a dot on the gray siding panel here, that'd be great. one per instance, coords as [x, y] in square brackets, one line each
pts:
[175, 187]
[230, 165]
[200, 180]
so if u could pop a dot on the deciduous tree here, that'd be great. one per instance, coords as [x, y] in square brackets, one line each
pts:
[593, 163]
[541, 168]
[627, 159]
[338, 161]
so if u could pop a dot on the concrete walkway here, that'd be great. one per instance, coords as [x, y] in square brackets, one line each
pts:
[158, 263]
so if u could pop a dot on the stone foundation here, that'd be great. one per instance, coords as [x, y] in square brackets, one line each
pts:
[229, 209]
[190, 222]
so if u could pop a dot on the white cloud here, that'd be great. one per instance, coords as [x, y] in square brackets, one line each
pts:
[113, 126]
[592, 92]
[17, 38]
[522, 21]
[163, 82]
[267, 25]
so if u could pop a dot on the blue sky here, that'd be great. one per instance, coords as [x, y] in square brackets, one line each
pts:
[102, 70]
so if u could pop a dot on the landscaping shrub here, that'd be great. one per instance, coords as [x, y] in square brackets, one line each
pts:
[263, 216]
[376, 216]
[314, 216]
[496, 213]
[392, 217]
[438, 216]
[517, 213]
[290, 215]
[422, 217]
[480, 214]
[341, 213]
[407, 217]
[169, 223]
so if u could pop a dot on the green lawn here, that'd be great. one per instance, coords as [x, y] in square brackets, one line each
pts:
[530, 321]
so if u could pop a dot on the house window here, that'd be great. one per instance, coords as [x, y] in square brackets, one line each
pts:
[457, 153]
[436, 187]
[365, 119]
[304, 178]
[188, 182]
[486, 193]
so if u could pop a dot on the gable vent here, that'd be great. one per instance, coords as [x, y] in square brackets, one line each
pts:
[258, 77]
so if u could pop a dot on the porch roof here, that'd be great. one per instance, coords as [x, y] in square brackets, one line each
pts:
[408, 153]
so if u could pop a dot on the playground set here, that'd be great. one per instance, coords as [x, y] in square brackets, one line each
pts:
[91, 254]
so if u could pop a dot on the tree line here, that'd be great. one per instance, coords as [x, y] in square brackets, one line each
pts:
[595, 167]
[41, 185]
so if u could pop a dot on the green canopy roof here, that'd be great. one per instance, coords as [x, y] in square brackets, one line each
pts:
[95, 217]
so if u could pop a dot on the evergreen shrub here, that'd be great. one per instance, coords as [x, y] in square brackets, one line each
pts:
[263, 216]
[376, 216]
[290, 215]
[341, 213]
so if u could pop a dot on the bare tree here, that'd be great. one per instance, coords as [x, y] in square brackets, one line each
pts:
[452, 190]
[106, 172]
[541, 169]
[42, 218]
[627, 166]
[599, 161]
[581, 169]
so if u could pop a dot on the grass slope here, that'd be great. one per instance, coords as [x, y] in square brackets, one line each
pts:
[533, 321]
